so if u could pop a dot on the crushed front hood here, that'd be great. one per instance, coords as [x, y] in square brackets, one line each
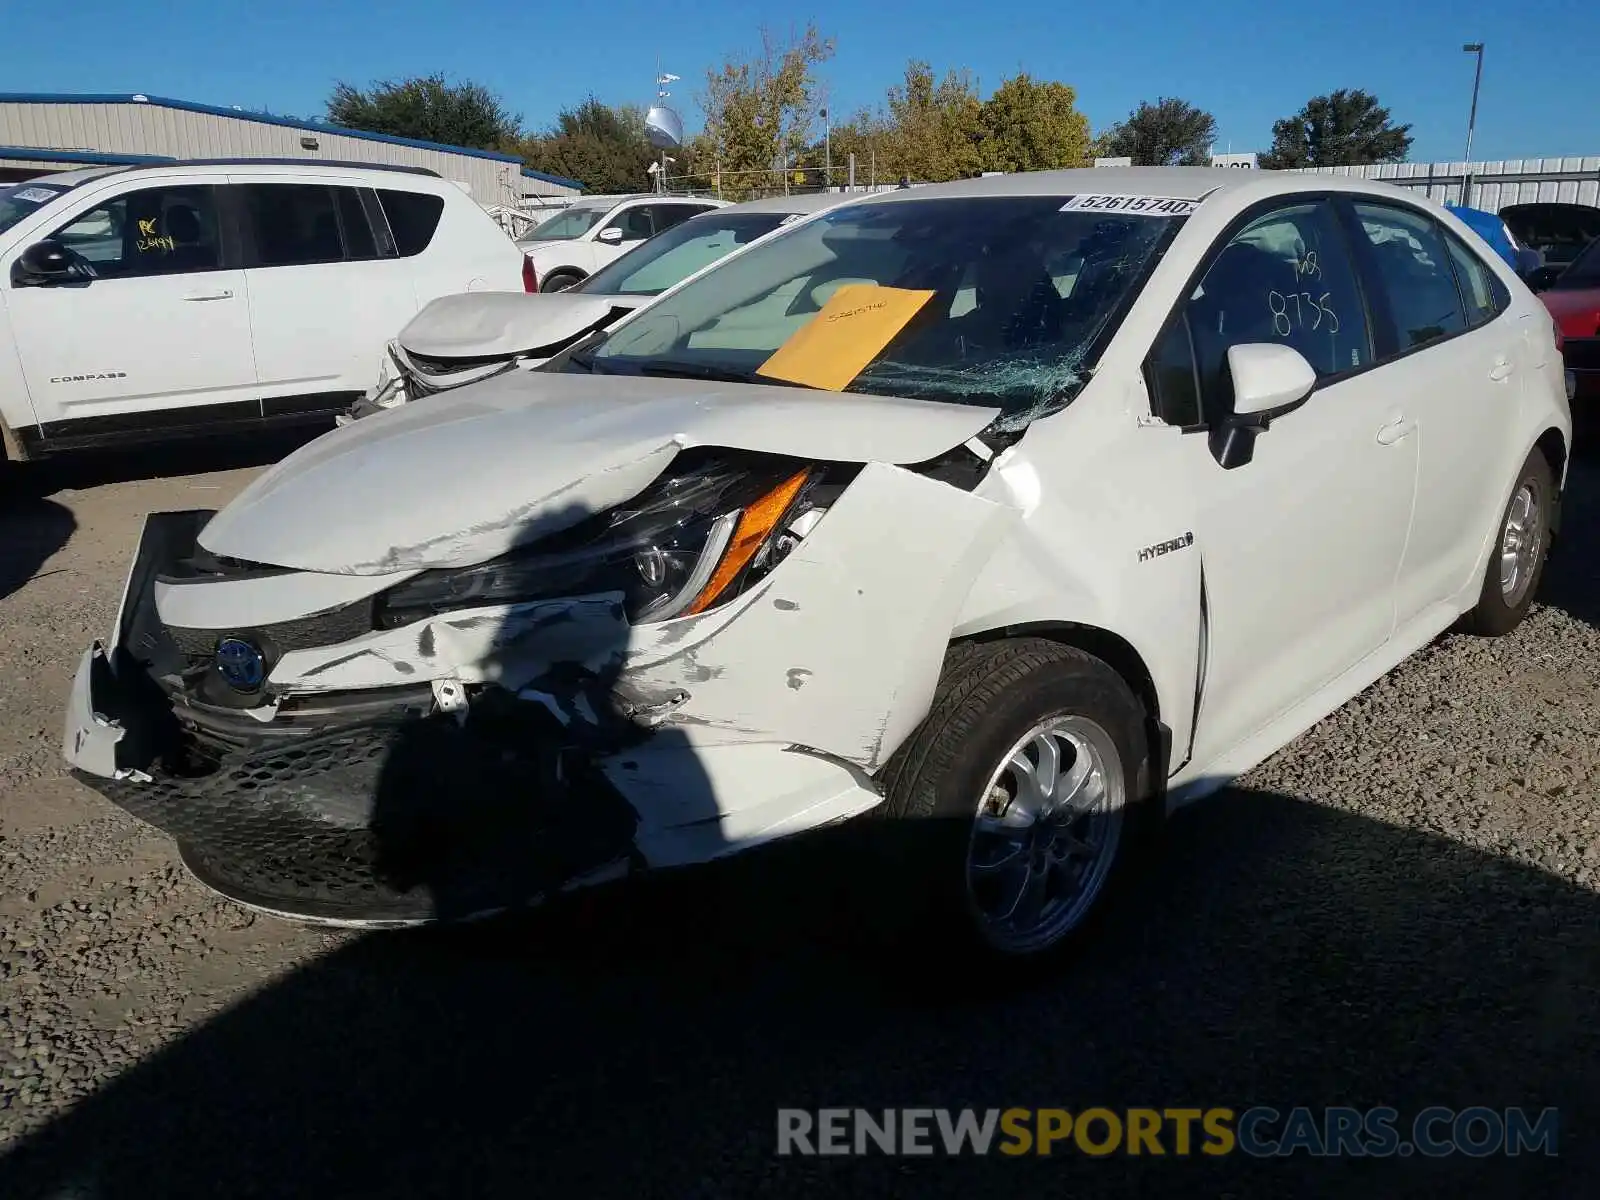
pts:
[475, 472]
[496, 324]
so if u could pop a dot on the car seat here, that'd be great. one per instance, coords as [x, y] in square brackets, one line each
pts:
[189, 251]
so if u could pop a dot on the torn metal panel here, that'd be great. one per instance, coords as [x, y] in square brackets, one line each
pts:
[697, 803]
[89, 739]
[263, 600]
[839, 649]
[443, 484]
[848, 662]
[509, 644]
[496, 324]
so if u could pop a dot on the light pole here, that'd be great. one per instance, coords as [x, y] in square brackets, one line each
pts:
[827, 151]
[1472, 120]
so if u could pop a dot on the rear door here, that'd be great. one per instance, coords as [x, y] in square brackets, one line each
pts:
[163, 326]
[1456, 353]
[328, 287]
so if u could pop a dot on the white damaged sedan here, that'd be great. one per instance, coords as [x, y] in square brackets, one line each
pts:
[1010, 512]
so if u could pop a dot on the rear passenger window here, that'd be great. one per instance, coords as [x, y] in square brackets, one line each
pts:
[292, 224]
[1484, 296]
[1413, 265]
[668, 215]
[413, 218]
[1285, 278]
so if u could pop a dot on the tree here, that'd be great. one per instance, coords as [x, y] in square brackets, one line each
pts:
[867, 135]
[1343, 128]
[1032, 125]
[760, 111]
[601, 146]
[428, 108]
[935, 128]
[1167, 133]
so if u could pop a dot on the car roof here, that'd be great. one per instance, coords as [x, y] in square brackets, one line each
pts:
[608, 201]
[1177, 183]
[808, 202]
[70, 179]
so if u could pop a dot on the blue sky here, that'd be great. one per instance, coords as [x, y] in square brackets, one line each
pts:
[1247, 62]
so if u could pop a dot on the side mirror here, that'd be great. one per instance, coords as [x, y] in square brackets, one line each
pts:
[1539, 280]
[1269, 381]
[610, 234]
[47, 263]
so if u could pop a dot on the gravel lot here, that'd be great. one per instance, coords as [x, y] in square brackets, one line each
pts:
[1401, 908]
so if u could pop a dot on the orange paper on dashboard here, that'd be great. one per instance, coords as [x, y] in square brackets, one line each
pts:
[847, 333]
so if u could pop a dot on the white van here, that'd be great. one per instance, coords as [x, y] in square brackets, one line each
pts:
[146, 302]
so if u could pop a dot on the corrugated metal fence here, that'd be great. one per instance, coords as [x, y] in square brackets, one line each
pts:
[1495, 185]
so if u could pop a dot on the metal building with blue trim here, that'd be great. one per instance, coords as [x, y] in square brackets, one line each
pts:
[42, 132]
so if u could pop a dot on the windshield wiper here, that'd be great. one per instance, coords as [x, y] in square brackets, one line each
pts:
[581, 353]
[696, 371]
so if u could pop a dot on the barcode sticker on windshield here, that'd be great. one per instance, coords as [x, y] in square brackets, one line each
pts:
[35, 195]
[1144, 206]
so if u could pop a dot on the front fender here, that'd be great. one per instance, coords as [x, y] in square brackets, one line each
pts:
[1124, 562]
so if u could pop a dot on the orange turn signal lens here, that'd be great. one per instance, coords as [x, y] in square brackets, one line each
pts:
[756, 524]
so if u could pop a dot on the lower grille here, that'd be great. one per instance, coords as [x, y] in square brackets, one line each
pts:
[421, 819]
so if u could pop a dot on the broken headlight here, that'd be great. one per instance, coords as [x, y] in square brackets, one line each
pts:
[687, 541]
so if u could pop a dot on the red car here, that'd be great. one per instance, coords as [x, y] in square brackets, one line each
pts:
[1573, 298]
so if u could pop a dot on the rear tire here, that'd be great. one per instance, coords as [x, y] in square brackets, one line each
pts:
[560, 281]
[980, 855]
[1516, 561]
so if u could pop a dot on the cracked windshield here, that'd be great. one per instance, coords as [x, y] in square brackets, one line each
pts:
[1007, 298]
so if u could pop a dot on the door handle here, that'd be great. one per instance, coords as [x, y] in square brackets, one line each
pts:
[224, 294]
[1396, 430]
[1502, 369]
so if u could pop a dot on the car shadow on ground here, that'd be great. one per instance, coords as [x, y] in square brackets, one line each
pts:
[189, 456]
[31, 530]
[641, 1041]
[1572, 575]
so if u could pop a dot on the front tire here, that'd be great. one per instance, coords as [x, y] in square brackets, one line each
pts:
[1516, 563]
[1011, 809]
[560, 281]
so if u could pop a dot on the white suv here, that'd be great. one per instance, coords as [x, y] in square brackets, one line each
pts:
[139, 303]
[580, 239]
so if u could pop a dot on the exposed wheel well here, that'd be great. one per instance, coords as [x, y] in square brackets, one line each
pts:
[1122, 658]
[1103, 644]
[1554, 448]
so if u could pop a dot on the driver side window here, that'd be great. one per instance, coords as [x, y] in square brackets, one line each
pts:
[1285, 278]
[153, 231]
[636, 224]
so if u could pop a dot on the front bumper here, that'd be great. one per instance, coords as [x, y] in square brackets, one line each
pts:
[470, 762]
[372, 807]
[404, 817]
[410, 816]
